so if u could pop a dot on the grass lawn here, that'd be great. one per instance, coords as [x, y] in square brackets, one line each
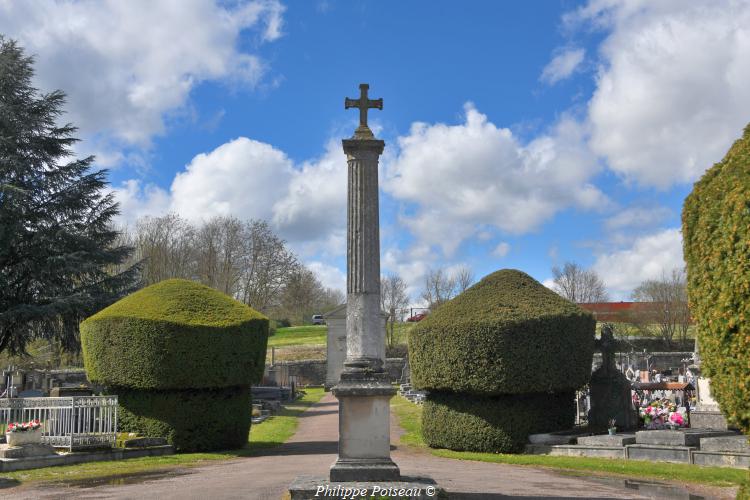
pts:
[410, 419]
[272, 432]
[299, 335]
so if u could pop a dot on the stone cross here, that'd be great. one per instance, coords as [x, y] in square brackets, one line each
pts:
[363, 103]
[363, 389]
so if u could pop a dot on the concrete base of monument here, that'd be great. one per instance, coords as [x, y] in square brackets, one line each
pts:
[318, 487]
[365, 469]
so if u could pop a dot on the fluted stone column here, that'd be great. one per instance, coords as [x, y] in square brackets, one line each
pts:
[363, 391]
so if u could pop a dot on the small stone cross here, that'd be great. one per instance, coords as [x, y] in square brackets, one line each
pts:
[363, 103]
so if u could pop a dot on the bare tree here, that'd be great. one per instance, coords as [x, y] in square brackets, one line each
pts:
[664, 305]
[165, 247]
[304, 295]
[439, 287]
[579, 285]
[392, 299]
[267, 267]
[219, 252]
[464, 278]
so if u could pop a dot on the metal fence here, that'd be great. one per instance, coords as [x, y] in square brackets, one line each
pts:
[75, 423]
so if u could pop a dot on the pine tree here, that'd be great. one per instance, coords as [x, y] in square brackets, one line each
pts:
[58, 249]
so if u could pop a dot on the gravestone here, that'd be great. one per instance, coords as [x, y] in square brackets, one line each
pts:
[610, 390]
[707, 414]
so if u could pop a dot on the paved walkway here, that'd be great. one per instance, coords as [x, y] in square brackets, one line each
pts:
[312, 450]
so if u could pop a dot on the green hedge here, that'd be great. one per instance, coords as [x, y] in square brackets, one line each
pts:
[191, 420]
[508, 334]
[716, 238]
[176, 334]
[493, 424]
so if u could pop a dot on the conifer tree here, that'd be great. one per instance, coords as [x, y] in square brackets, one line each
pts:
[58, 250]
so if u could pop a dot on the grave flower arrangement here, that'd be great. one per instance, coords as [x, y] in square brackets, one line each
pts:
[31, 425]
[23, 433]
[662, 414]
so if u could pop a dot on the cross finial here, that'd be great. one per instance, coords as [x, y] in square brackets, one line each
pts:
[363, 103]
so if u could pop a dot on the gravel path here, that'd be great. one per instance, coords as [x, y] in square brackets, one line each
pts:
[312, 450]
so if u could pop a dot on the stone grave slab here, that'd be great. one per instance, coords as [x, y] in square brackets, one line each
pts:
[721, 459]
[607, 440]
[28, 450]
[572, 450]
[737, 444]
[659, 453]
[679, 437]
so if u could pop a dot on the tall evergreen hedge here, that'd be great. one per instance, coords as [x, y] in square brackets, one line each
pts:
[182, 357]
[507, 334]
[716, 239]
[500, 361]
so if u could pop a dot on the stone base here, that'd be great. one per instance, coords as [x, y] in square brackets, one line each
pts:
[722, 459]
[679, 437]
[26, 450]
[607, 440]
[707, 420]
[573, 450]
[363, 469]
[316, 487]
[733, 444]
[659, 453]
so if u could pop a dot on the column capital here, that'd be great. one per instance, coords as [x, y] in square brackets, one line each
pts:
[354, 146]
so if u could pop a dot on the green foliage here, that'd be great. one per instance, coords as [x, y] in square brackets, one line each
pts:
[495, 424]
[716, 238]
[176, 334]
[192, 419]
[59, 255]
[507, 334]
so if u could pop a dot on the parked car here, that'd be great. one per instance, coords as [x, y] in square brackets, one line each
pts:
[317, 319]
[416, 317]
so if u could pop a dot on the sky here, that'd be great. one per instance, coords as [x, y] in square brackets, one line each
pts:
[518, 134]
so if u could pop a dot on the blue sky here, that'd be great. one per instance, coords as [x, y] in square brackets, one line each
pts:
[518, 134]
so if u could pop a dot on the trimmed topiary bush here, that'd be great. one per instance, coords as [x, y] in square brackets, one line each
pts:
[508, 334]
[176, 334]
[495, 424]
[191, 419]
[181, 356]
[500, 361]
[716, 239]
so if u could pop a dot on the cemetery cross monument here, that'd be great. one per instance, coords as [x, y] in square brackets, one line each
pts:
[363, 391]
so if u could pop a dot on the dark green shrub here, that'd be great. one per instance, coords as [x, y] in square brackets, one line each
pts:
[176, 334]
[508, 334]
[181, 357]
[716, 239]
[494, 424]
[191, 419]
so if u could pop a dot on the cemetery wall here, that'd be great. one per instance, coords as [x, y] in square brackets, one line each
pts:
[313, 371]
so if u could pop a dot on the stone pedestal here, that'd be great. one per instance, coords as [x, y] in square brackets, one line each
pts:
[363, 390]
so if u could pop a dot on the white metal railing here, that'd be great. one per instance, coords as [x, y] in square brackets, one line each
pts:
[75, 422]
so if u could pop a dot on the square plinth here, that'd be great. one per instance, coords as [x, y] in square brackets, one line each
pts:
[316, 487]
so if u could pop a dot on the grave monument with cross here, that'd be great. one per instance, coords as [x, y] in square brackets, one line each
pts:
[363, 391]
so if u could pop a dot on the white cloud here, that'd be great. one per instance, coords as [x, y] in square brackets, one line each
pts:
[562, 65]
[647, 258]
[637, 217]
[550, 283]
[125, 66]
[329, 276]
[243, 178]
[137, 200]
[501, 250]
[466, 177]
[252, 180]
[314, 203]
[671, 91]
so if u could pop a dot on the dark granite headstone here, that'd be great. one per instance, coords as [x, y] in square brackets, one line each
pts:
[610, 390]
